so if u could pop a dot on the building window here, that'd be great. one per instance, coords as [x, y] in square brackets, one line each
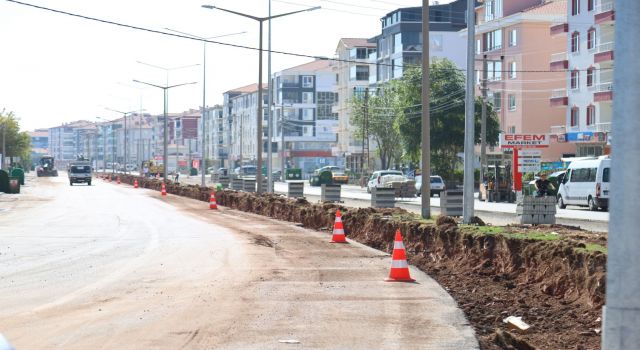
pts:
[512, 102]
[497, 101]
[511, 130]
[591, 115]
[513, 37]
[478, 46]
[307, 97]
[493, 40]
[590, 76]
[575, 114]
[575, 42]
[492, 10]
[307, 81]
[397, 42]
[494, 70]
[575, 79]
[512, 70]
[307, 114]
[575, 7]
[591, 39]
[590, 4]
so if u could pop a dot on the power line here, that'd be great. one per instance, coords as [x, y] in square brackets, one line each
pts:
[129, 26]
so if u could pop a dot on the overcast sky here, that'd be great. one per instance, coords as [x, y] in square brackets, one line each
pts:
[56, 68]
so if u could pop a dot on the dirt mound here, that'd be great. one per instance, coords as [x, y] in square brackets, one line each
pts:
[546, 275]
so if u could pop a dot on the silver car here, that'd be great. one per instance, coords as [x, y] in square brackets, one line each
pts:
[437, 185]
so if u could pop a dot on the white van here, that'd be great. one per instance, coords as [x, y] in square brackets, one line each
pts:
[586, 184]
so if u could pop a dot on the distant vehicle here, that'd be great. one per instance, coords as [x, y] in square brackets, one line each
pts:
[338, 174]
[586, 184]
[47, 167]
[246, 171]
[131, 167]
[328, 167]
[384, 178]
[80, 172]
[437, 185]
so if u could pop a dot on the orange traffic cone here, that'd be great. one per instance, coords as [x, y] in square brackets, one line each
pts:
[164, 190]
[399, 267]
[212, 201]
[118, 180]
[338, 230]
[135, 183]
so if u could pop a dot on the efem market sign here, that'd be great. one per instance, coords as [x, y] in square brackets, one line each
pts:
[524, 140]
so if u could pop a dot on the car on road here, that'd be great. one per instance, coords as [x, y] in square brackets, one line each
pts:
[384, 178]
[80, 172]
[586, 184]
[338, 174]
[246, 171]
[437, 185]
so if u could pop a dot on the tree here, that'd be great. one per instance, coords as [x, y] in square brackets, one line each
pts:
[18, 143]
[382, 109]
[447, 113]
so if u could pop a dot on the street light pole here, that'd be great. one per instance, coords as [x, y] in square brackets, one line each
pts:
[165, 158]
[204, 90]
[260, 90]
[426, 118]
[469, 129]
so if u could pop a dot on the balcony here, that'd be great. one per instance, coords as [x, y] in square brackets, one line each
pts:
[558, 130]
[559, 98]
[603, 92]
[559, 28]
[559, 61]
[605, 12]
[603, 127]
[604, 53]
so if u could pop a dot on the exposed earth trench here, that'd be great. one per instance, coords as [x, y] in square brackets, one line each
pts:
[557, 286]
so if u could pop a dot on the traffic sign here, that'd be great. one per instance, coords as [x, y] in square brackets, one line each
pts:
[530, 153]
[528, 161]
[529, 168]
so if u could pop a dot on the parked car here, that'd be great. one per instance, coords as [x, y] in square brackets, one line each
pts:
[131, 167]
[249, 171]
[586, 184]
[384, 178]
[437, 185]
[338, 174]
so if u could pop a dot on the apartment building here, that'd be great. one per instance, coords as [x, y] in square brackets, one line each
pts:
[305, 97]
[352, 72]
[588, 61]
[399, 45]
[513, 42]
[64, 141]
[214, 148]
[243, 104]
[39, 144]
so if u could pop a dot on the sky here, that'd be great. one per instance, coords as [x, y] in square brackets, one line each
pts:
[56, 68]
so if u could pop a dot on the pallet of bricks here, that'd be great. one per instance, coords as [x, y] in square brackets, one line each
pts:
[537, 210]
[404, 189]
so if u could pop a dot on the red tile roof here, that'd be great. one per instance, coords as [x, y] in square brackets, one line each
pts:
[248, 88]
[554, 7]
[313, 66]
[356, 42]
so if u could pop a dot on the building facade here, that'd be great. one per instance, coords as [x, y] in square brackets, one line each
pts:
[353, 71]
[243, 103]
[65, 141]
[513, 47]
[588, 59]
[39, 144]
[399, 46]
[305, 97]
[213, 129]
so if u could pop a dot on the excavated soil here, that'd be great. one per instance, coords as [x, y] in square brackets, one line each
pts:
[549, 275]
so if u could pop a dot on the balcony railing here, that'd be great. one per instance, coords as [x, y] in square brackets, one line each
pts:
[559, 28]
[604, 53]
[559, 98]
[559, 61]
[603, 127]
[604, 7]
[558, 129]
[557, 93]
[603, 92]
[604, 12]
[604, 87]
[606, 47]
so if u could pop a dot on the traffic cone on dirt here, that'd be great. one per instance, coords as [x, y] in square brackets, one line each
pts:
[118, 180]
[212, 201]
[399, 267]
[164, 190]
[338, 230]
[135, 183]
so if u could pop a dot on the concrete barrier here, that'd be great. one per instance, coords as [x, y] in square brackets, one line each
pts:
[249, 185]
[295, 189]
[383, 197]
[330, 193]
[224, 181]
[537, 210]
[236, 184]
[451, 202]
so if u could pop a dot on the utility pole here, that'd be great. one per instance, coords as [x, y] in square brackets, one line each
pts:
[282, 137]
[426, 118]
[270, 114]
[365, 147]
[621, 313]
[469, 129]
[483, 124]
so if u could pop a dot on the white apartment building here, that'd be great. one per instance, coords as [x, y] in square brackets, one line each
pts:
[589, 61]
[305, 97]
[353, 71]
[214, 136]
[243, 104]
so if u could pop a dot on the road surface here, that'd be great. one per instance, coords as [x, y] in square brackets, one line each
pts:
[493, 213]
[112, 267]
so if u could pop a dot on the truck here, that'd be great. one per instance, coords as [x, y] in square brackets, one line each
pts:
[47, 167]
[80, 172]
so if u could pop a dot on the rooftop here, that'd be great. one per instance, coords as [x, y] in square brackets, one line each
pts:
[313, 66]
[248, 88]
[357, 42]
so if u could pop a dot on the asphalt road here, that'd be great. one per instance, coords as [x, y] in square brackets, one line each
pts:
[112, 267]
[492, 213]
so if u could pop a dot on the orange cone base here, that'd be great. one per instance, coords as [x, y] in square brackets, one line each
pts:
[408, 279]
[339, 239]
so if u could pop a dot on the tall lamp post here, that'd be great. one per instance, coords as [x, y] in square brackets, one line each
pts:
[260, 102]
[204, 90]
[165, 90]
[124, 116]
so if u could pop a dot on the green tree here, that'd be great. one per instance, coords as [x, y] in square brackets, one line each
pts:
[382, 110]
[447, 110]
[18, 143]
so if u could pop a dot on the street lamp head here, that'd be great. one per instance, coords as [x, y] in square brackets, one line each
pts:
[210, 7]
[314, 8]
